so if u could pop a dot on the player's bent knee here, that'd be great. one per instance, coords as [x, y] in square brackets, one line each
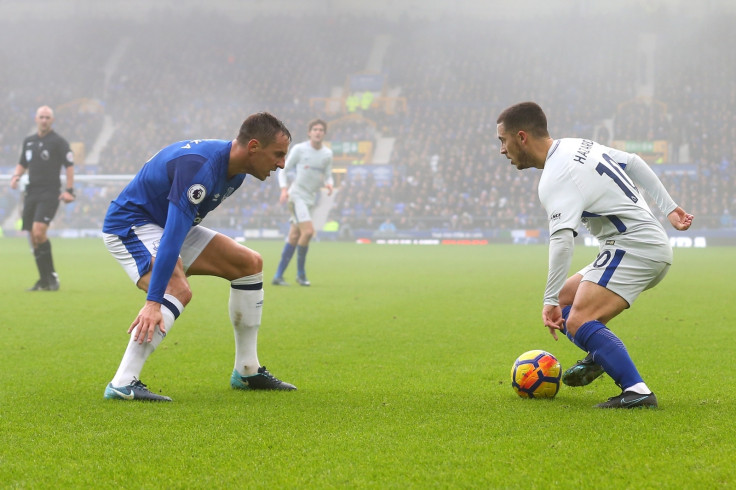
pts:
[257, 263]
[294, 235]
[179, 288]
[182, 292]
[38, 237]
[250, 262]
[571, 329]
[574, 321]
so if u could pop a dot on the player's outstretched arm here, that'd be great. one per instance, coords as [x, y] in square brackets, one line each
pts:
[680, 219]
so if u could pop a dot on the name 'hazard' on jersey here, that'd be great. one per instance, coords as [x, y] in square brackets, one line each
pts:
[192, 175]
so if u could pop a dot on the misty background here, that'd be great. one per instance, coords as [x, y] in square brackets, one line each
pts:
[410, 90]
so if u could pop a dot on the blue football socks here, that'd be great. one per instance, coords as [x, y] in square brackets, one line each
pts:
[301, 259]
[608, 351]
[286, 255]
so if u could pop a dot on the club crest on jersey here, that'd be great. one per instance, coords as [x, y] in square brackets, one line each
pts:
[196, 193]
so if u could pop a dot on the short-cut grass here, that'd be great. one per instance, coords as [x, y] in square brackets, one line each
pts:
[402, 357]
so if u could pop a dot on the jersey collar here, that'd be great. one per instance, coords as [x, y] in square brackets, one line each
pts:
[552, 149]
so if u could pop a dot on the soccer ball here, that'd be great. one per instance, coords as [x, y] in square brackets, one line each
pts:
[536, 374]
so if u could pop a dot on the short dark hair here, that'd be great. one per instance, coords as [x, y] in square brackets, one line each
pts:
[314, 122]
[263, 127]
[525, 116]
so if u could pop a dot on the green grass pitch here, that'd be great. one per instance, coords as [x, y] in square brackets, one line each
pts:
[402, 357]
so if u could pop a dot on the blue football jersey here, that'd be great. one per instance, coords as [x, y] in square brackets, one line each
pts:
[190, 174]
[175, 190]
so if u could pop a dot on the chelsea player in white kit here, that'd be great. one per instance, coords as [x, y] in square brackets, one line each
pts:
[312, 161]
[585, 182]
[152, 229]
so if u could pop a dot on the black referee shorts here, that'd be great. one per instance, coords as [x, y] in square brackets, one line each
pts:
[39, 206]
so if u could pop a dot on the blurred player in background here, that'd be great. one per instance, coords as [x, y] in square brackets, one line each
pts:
[43, 154]
[583, 181]
[152, 229]
[312, 162]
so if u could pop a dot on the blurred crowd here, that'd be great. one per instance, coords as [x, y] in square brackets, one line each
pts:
[177, 76]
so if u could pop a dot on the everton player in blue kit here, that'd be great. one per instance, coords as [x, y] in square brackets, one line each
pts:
[153, 230]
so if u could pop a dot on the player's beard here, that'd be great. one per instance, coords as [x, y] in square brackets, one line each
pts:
[523, 160]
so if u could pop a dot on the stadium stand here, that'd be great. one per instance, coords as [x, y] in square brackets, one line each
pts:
[145, 83]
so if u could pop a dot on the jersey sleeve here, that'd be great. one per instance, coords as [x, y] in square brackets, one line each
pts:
[561, 246]
[66, 152]
[23, 161]
[329, 180]
[563, 201]
[191, 182]
[644, 177]
[177, 226]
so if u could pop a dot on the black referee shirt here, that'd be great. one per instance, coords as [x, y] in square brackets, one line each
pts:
[43, 157]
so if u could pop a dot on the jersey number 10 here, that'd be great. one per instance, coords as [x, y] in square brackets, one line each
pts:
[612, 169]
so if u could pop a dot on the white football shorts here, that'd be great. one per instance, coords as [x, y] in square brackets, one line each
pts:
[623, 273]
[134, 252]
[300, 211]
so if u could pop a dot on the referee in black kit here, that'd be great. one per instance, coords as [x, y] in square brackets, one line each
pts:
[43, 154]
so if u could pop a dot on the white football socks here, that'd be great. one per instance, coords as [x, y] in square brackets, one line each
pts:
[640, 388]
[136, 354]
[246, 308]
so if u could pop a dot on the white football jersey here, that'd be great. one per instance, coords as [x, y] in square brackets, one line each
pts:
[313, 170]
[585, 182]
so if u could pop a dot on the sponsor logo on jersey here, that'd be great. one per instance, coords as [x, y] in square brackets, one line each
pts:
[70, 156]
[29, 155]
[610, 242]
[44, 155]
[555, 216]
[196, 193]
